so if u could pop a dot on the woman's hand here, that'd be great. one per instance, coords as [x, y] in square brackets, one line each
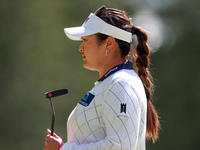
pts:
[52, 142]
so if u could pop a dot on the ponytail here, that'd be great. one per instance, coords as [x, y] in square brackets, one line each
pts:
[142, 63]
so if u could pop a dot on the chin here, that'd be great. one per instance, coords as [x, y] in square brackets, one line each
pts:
[89, 67]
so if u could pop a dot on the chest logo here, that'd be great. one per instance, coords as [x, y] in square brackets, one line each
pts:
[86, 100]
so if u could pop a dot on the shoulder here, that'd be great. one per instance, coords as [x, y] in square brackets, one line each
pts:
[124, 87]
[126, 76]
[126, 81]
[123, 76]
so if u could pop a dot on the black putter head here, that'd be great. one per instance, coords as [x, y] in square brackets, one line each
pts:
[55, 93]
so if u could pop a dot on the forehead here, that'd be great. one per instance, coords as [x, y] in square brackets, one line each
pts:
[89, 36]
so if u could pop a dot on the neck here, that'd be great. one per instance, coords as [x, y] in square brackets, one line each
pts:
[110, 65]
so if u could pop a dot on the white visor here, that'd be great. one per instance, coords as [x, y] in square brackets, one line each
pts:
[93, 25]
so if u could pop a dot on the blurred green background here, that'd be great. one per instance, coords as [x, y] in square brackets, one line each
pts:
[36, 57]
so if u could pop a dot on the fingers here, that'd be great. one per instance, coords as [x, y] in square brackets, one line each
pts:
[48, 131]
[51, 143]
[46, 144]
[54, 135]
[50, 138]
[47, 138]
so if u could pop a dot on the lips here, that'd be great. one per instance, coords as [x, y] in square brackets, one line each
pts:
[83, 56]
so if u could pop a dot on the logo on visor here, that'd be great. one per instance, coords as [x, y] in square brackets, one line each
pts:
[86, 20]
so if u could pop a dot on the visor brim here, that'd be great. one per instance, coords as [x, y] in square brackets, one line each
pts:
[75, 33]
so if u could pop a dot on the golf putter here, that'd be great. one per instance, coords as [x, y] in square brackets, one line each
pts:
[50, 95]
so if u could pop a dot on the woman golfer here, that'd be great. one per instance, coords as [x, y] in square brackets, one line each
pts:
[116, 114]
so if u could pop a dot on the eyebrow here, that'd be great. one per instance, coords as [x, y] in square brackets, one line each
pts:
[83, 37]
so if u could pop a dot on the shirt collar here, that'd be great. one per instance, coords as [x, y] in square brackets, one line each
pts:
[127, 65]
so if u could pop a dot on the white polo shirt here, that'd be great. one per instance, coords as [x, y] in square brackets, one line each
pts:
[112, 116]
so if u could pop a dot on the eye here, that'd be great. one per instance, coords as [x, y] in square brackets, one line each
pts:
[84, 39]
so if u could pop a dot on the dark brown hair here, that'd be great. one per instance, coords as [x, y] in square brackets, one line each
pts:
[142, 62]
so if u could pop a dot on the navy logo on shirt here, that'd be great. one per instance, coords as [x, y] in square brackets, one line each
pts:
[86, 100]
[123, 108]
[122, 113]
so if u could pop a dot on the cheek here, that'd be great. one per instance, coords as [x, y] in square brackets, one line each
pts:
[99, 59]
[98, 55]
[93, 61]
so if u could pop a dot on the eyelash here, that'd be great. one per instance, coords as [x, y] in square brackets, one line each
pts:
[84, 40]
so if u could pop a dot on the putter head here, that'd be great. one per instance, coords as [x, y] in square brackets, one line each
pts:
[55, 93]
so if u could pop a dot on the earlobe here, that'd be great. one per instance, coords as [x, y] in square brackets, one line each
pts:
[106, 53]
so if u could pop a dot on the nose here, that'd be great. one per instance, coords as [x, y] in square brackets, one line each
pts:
[80, 49]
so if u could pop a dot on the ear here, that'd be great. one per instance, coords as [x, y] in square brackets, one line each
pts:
[110, 43]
